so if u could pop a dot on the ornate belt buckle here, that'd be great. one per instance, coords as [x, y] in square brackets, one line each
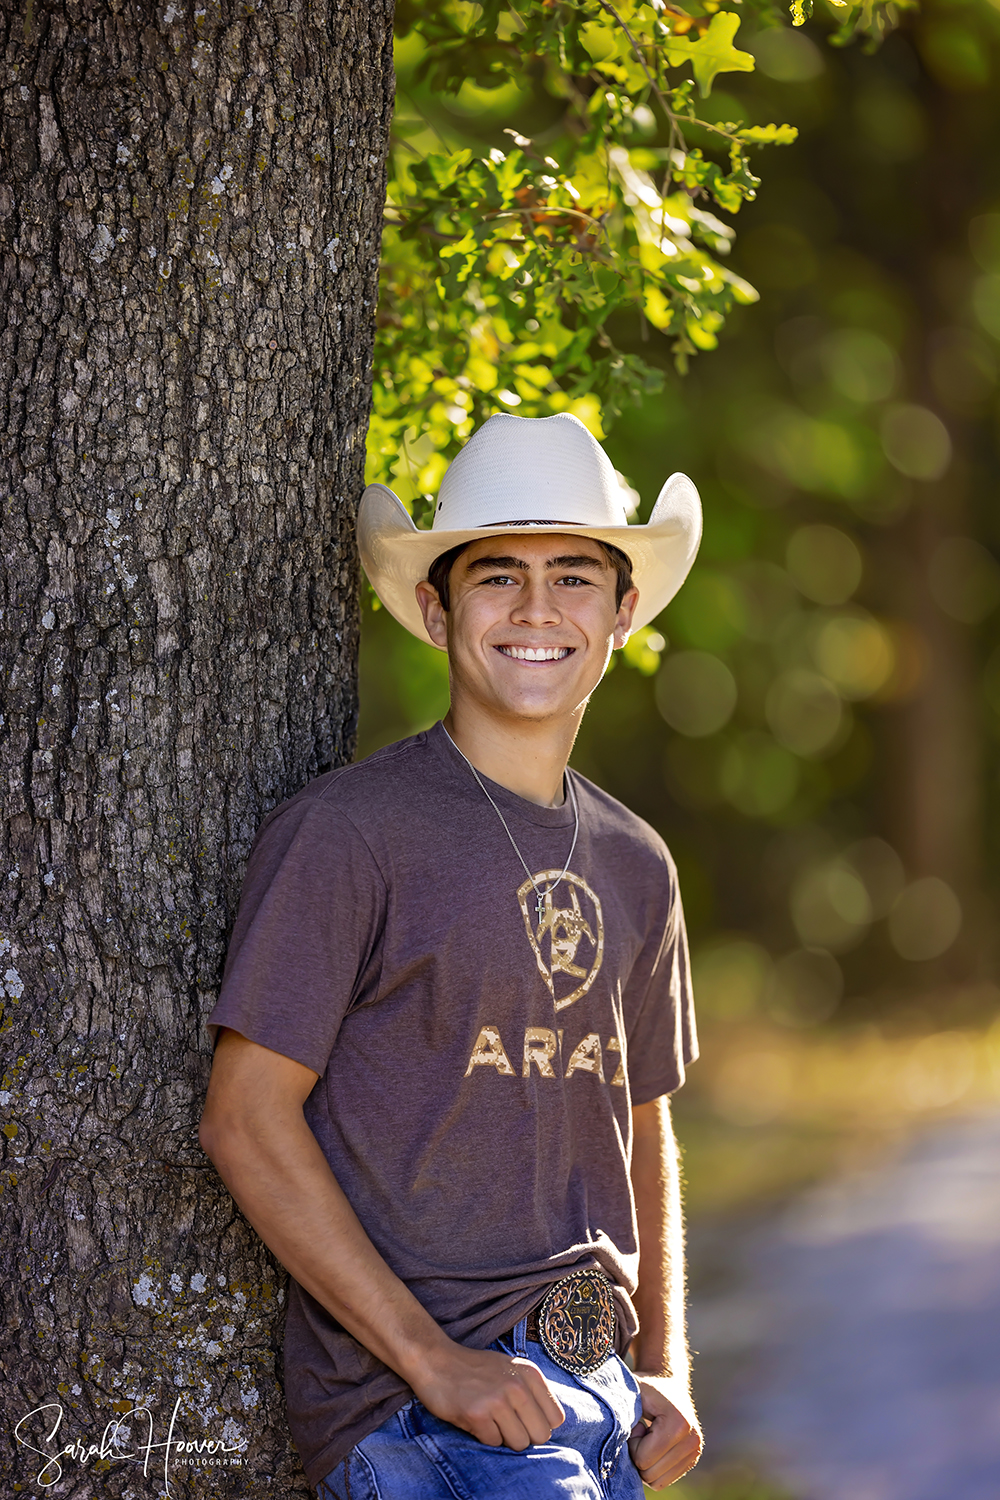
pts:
[576, 1321]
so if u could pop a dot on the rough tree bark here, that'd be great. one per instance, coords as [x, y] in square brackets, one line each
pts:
[190, 204]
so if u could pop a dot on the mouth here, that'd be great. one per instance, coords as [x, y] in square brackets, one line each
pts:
[536, 653]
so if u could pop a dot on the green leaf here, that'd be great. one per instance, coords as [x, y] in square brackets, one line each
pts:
[600, 41]
[657, 309]
[742, 290]
[443, 170]
[766, 135]
[700, 335]
[712, 53]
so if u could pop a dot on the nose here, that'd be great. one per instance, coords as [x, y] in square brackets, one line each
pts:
[536, 603]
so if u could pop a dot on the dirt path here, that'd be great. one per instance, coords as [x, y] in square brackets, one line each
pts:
[866, 1333]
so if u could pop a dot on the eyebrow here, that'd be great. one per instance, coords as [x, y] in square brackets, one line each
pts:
[567, 560]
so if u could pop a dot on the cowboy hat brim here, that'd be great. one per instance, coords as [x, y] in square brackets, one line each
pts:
[397, 555]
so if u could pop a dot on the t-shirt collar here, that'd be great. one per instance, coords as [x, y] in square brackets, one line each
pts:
[510, 802]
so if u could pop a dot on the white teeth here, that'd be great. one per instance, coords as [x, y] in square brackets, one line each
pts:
[536, 653]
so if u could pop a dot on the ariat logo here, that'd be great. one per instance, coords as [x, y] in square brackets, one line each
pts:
[548, 1055]
[566, 933]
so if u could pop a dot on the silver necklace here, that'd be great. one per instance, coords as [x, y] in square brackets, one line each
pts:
[540, 894]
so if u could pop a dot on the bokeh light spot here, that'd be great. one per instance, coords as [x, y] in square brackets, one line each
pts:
[813, 454]
[696, 693]
[891, 122]
[825, 563]
[925, 919]
[881, 870]
[787, 56]
[986, 303]
[758, 776]
[859, 365]
[954, 54]
[830, 907]
[856, 653]
[643, 649]
[916, 442]
[804, 711]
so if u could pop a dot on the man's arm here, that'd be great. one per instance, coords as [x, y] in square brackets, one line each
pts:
[255, 1132]
[671, 1445]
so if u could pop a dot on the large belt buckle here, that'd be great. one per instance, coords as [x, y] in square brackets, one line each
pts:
[576, 1321]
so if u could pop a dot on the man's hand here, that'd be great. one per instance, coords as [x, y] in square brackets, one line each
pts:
[668, 1443]
[498, 1398]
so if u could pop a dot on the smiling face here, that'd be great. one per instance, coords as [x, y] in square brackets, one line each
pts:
[532, 623]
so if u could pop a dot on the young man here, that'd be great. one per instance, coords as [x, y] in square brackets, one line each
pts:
[455, 1004]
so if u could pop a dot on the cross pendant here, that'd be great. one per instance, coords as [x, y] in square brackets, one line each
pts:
[540, 904]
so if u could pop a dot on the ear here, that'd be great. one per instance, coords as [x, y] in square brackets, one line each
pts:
[623, 622]
[434, 613]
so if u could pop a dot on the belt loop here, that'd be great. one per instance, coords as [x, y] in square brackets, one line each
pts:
[520, 1337]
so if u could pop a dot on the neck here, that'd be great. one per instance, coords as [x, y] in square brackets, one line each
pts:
[528, 759]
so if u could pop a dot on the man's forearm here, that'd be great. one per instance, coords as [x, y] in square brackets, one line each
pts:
[284, 1186]
[255, 1132]
[661, 1347]
[671, 1443]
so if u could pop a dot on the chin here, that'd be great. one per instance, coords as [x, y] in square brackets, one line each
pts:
[539, 709]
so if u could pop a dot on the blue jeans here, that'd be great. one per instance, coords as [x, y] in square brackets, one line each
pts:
[416, 1456]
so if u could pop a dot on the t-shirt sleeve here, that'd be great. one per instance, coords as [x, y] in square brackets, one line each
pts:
[659, 1004]
[307, 934]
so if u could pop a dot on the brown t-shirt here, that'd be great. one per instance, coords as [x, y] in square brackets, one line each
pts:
[477, 1060]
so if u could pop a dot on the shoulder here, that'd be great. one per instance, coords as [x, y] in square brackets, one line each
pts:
[334, 832]
[623, 833]
[355, 793]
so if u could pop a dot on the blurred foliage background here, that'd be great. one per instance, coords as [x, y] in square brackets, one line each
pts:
[813, 725]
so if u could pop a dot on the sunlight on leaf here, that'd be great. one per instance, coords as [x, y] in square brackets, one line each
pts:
[712, 53]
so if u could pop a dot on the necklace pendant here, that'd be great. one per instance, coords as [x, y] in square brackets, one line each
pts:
[540, 904]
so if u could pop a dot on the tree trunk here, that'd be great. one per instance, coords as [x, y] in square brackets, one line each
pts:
[936, 798]
[190, 207]
[934, 794]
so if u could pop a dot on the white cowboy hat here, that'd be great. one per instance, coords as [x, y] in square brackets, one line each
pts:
[538, 474]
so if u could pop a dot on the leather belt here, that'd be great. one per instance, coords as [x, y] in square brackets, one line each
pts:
[575, 1321]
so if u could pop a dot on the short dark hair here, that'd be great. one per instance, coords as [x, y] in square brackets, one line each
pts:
[439, 572]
